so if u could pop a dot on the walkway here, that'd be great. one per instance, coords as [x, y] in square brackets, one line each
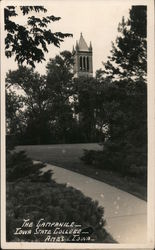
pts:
[125, 214]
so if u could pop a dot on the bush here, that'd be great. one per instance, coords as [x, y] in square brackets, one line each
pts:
[122, 158]
[53, 202]
[18, 165]
[32, 195]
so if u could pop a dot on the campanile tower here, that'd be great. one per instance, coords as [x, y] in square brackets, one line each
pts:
[83, 60]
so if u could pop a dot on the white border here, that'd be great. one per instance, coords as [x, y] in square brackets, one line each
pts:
[151, 140]
[151, 123]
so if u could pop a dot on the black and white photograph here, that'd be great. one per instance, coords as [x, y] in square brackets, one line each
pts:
[77, 122]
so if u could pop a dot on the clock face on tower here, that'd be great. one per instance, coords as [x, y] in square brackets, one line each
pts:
[83, 58]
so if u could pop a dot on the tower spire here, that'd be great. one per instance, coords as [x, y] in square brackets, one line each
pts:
[82, 44]
[83, 58]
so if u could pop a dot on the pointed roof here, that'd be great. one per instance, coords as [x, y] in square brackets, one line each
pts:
[82, 44]
[90, 46]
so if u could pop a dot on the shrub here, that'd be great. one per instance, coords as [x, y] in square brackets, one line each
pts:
[53, 202]
[122, 158]
[32, 195]
[18, 165]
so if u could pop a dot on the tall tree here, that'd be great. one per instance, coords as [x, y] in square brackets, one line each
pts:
[122, 99]
[128, 54]
[47, 107]
[60, 87]
[15, 119]
[86, 100]
[35, 101]
[28, 42]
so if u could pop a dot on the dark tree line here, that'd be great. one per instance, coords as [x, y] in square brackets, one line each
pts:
[110, 108]
[55, 108]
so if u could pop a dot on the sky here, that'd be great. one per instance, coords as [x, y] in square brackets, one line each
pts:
[97, 20]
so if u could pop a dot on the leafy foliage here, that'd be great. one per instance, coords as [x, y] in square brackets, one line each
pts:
[125, 145]
[29, 43]
[60, 87]
[47, 108]
[35, 102]
[15, 119]
[86, 93]
[20, 166]
[122, 99]
[14, 104]
[128, 54]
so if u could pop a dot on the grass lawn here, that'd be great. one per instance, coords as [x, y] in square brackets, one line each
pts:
[68, 156]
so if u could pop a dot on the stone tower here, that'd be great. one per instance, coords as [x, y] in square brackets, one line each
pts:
[83, 61]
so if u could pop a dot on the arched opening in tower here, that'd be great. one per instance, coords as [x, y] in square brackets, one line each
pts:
[80, 62]
[87, 63]
[84, 64]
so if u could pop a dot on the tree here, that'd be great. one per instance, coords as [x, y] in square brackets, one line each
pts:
[35, 101]
[47, 108]
[60, 87]
[130, 67]
[86, 108]
[122, 100]
[15, 119]
[29, 43]
[59, 75]
[128, 54]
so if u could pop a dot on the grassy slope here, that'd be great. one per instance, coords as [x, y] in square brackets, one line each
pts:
[68, 156]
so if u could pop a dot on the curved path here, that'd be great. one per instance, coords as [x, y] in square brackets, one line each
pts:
[125, 214]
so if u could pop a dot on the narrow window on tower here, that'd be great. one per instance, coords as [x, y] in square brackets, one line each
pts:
[87, 63]
[84, 64]
[80, 62]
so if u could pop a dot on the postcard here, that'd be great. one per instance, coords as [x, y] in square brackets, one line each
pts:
[77, 124]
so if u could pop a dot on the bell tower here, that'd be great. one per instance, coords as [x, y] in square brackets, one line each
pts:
[83, 61]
